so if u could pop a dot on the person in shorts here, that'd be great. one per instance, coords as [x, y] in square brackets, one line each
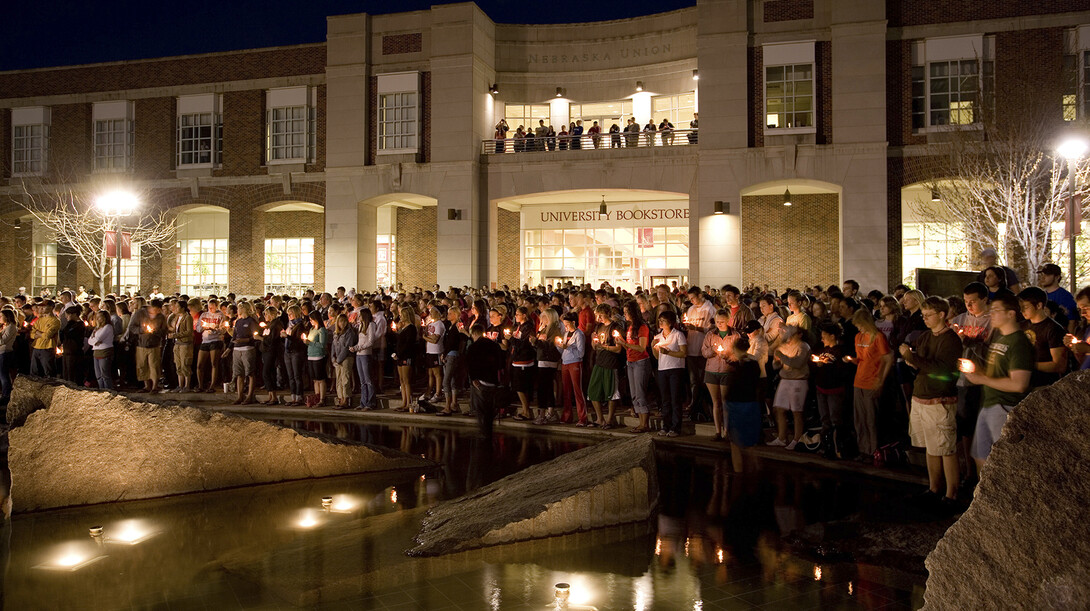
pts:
[932, 423]
[792, 359]
[1006, 377]
[717, 351]
[607, 357]
[212, 325]
[318, 354]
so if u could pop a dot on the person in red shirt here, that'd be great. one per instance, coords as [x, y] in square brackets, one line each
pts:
[873, 359]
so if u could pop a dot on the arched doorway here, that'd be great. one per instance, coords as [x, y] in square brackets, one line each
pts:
[294, 248]
[203, 248]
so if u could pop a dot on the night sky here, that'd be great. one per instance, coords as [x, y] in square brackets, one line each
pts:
[57, 33]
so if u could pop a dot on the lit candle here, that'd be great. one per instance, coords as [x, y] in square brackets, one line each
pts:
[393, 326]
[559, 341]
[147, 328]
[303, 336]
[719, 349]
[617, 334]
[261, 324]
[265, 332]
[815, 358]
[255, 333]
[507, 332]
[966, 366]
[60, 350]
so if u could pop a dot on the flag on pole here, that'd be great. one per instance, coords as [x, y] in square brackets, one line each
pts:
[110, 242]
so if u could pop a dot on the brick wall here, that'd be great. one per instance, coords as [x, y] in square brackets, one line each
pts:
[70, 151]
[787, 10]
[508, 226]
[168, 72]
[395, 44]
[243, 133]
[18, 250]
[791, 245]
[424, 155]
[416, 241]
[319, 156]
[1029, 77]
[154, 137]
[915, 12]
[823, 91]
[755, 59]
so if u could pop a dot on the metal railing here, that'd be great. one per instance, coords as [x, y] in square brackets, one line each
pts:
[563, 143]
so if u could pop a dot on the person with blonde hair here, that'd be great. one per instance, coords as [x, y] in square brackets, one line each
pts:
[344, 337]
[434, 330]
[243, 347]
[873, 360]
[403, 355]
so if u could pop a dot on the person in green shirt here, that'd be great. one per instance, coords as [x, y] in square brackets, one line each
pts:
[1011, 362]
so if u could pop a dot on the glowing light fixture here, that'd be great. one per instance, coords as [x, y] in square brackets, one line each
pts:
[1073, 148]
[935, 195]
[327, 502]
[117, 203]
[696, 75]
[561, 594]
[559, 92]
[721, 207]
[72, 558]
[95, 531]
[493, 89]
[787, 197]
[639, 85]
[602, 207]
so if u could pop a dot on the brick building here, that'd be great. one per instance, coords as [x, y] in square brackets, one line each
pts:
[371, 157]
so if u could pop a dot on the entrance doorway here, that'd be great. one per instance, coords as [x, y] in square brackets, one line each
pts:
[668, 281]
[560, 280]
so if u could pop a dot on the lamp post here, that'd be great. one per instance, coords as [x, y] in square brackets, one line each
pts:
[1073, 149]
[117, 204]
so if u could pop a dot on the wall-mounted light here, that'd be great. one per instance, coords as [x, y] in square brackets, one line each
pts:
[639, 85]
[453, 214]
[602, 207]
[696, 75]
[18, 223]
[559, 92]
[935, 195]
[787, 197]
[722, 207]
[494, 89]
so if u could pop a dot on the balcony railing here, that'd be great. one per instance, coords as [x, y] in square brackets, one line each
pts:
[648, 139]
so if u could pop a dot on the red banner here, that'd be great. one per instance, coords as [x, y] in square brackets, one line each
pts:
[110, 243]
[645, 237]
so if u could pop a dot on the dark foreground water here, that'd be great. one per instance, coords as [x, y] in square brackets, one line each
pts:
[718, 542]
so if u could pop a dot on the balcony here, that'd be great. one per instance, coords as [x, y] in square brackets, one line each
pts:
[605, 141]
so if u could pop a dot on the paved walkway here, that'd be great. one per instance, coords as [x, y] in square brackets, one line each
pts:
[699, 437]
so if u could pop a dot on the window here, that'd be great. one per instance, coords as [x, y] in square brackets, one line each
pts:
[200, 139]
[202, 266]
[789, 96]
[955, 91]
[397, 121]
[386, 261]
[678, 109]
[526, 115]
[113, 145]
[287, 133]
[934, 245]
[919, 98]
[130, 270]
[45, 267]
[289, 265]
[1070, 87]
[29, 145]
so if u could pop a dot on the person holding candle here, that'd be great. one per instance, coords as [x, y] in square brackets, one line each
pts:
[454, 344]
[243, 348]
[181, 331]
[72, 336]
[974, 327]
[638, 363]
[607, 357]
[523, 358]
[295, 333]
[149, 343]
[101, 343]
[403, 356]
[344, 339]
[873, 360]
[272, 352]
[743, 399]
[317, 341]
[433, 333]
[932, 422]
[1079, 341]
[572, 346]
[830, 381]
[9, 330]
[44, 333]
[717, 350]
[670, 349]
[698, 320]
[547, 343]
[792, 358]
[212, 324]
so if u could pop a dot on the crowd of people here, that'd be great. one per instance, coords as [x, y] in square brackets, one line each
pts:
[870, 371]
[575, 136]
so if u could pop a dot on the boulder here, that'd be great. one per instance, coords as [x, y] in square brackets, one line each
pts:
[95, 447]
[607, 484]
[1022, 543]
[30, 394]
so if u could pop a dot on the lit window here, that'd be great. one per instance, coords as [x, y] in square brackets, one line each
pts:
[1070, 87]
[955, 91]
[202, 266]
[289, 265]
[113, 145]
[789, 96]
[200, 139]
[45, 267]
[130, 270]
[397, 121]
[386, 260]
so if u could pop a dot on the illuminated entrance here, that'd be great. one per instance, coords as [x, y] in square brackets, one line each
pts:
[642, 238]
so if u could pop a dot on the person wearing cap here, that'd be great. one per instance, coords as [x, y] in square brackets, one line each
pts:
[989, 258]
[1048, 278]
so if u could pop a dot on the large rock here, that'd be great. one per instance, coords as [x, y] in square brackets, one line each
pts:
[93, 447]
[603, 485]
[1023, 542]
[30, 394]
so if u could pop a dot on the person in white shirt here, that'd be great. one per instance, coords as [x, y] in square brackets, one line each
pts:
[369, 337]
[697, 321]
[433, 347]
[670, 348]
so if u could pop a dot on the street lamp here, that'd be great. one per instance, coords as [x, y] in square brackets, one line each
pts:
[117, 204]
[1072, 149]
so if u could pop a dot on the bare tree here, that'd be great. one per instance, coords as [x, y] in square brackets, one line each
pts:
[70, 217]
[1002, 182]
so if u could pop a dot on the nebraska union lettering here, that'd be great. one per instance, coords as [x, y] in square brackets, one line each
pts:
[576, 58]
[618, 215]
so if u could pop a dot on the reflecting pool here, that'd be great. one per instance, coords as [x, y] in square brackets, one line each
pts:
[719, 541]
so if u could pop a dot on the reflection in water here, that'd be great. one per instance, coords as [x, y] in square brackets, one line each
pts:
[718, 535]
